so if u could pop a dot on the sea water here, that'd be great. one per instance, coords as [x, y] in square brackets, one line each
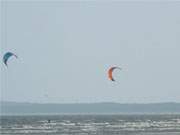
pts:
[90, 125]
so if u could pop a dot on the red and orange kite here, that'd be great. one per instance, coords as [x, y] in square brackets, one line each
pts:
[110, 72]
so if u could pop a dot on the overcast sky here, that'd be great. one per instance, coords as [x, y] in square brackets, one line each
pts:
[66, 48]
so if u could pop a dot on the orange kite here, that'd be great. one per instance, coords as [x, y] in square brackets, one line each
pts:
[110, 73]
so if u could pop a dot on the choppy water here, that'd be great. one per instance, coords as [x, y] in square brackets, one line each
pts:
[91, 125]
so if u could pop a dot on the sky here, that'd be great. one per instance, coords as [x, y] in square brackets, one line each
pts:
[66, 48]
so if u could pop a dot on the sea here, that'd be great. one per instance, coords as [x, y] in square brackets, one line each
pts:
[90, 124]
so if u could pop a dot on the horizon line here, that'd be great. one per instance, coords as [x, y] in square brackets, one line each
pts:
[102, 102]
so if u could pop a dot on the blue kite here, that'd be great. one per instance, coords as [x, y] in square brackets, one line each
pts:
[7, 56]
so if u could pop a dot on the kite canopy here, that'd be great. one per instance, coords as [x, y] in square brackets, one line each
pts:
[110, 72]
[7, 56]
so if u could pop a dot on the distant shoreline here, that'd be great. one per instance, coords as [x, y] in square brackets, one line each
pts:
[91, 114]
[12, 108]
